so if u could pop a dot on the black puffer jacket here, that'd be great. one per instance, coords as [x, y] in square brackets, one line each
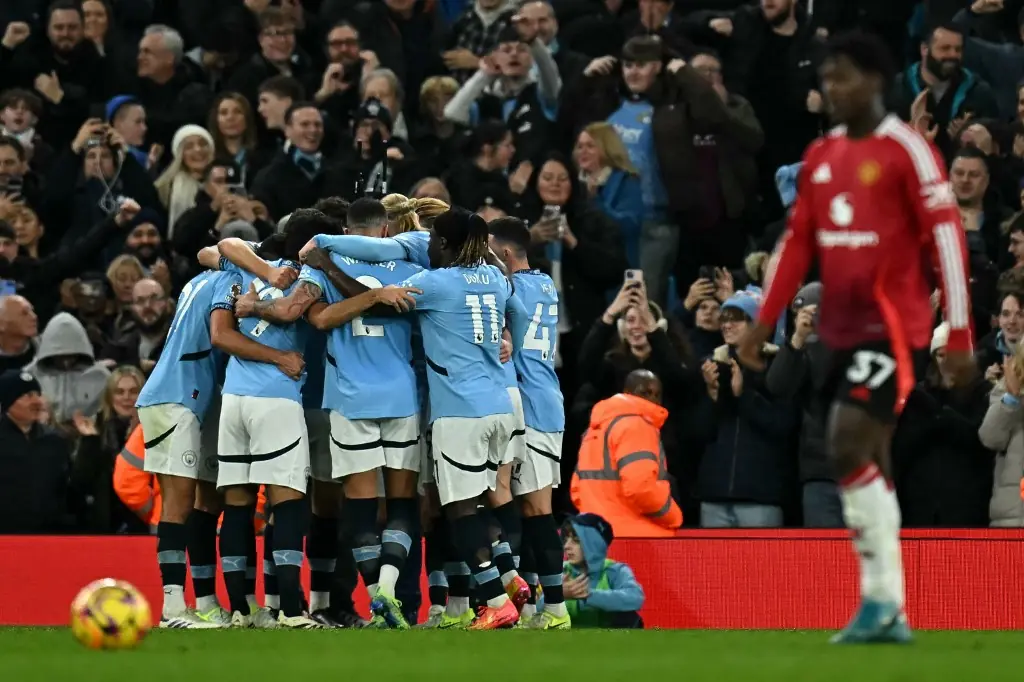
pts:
[750, 440]
[799, 376]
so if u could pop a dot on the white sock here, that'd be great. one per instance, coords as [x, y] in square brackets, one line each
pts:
[506, 578]
[204, 604]
[372, 590]
[866, 508]
[319, 600]
[435, 610]
[528, 612]
[498, 601]
[273, 601]
[894, 584]
[388, 578]
[174, 600]
[457, 606]
[253, 604]
[557, 609]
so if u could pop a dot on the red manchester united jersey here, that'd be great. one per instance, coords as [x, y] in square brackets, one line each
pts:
[881, 216]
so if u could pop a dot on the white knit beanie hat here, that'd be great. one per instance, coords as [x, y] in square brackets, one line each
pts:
[185, 132]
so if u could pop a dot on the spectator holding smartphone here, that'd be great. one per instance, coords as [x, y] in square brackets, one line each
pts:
[744, 472]
[798, 374]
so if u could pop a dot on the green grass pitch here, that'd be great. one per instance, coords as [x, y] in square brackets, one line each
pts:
[51, 655]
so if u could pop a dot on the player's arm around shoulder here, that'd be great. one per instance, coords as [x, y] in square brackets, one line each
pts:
[283, 310]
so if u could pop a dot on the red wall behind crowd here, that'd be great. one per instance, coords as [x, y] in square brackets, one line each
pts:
[793, 579]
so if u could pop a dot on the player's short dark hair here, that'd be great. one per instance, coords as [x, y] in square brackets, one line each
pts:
[334, 208]
[303, 225]
[298, 106]
[283, 86]
[866, 50]
[511, 231]
[367, 213]
[6, 231]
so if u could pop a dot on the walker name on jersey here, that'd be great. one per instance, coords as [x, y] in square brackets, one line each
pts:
[389, 265]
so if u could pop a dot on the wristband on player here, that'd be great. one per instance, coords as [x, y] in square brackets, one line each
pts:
[1011, 400]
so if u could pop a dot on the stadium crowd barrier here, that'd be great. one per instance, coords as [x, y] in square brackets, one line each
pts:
[744, 579]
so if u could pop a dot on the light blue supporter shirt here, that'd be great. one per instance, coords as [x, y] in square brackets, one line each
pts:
[535, 358]
[462, 313]
[189, 365]
[410, 246]
[373, 355]
[632, 121]
[258, 379]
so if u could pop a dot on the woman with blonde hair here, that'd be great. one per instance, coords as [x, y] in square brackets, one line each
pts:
[192, 149]
[408, 215]
[612, 182]
[100, 441]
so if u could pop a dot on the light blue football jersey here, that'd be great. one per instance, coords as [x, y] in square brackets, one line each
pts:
[462, 313]
[410, 246]
[258, 379]
[535, 355]
[189, 365]
[373, 355]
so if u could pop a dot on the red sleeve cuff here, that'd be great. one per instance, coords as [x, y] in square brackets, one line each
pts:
[959, 340]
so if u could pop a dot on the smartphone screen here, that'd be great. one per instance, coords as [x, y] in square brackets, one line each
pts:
[634, 276]
[551, 213]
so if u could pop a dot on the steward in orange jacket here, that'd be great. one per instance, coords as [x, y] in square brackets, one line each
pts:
[137, 489]
[621, 473]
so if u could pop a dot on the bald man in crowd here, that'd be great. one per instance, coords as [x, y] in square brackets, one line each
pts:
[19, 327]
[621, 472]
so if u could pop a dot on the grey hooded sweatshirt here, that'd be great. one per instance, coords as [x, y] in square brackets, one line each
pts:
[76, 387]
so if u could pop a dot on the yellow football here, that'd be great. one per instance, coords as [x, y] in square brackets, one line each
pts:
[110, 614]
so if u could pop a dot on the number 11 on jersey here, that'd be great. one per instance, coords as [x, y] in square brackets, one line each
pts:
[476, 314]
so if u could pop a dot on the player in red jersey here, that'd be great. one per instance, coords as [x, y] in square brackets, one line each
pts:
[874, 205]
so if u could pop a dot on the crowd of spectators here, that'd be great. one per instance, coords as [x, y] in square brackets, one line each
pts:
[646, 134]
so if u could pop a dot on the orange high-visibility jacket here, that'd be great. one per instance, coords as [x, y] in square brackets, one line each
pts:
[621, 471]
[137, 489]
[140, 491]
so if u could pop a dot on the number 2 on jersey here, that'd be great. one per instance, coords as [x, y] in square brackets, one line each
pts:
[538, 335]
[358, 328]
[264, 292]
[476, 313]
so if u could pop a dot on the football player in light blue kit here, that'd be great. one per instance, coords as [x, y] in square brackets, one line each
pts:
[539, 468]
[373, 403]
[172, 406]
[263, 441]
[462, 311]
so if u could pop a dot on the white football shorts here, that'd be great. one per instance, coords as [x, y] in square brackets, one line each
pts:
[174, 443]
[262, 441]
[467, 452]
[542, 466]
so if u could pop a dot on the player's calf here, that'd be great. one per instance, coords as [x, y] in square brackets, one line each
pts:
[172, 539]
[291, 521]
[322, 544]
[236, 528]
[201, 529]
[540, 532]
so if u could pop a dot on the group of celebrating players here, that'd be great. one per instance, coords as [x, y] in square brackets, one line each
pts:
[438, 376]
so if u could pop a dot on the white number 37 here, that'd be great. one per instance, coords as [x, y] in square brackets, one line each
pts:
[870, 368]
